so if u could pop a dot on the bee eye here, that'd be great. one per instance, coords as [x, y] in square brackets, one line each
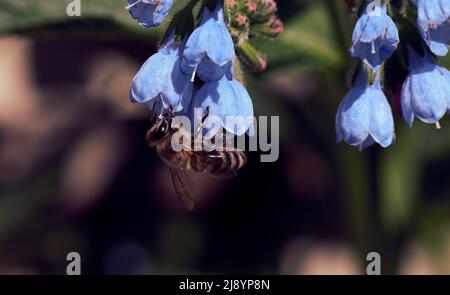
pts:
[162, 130]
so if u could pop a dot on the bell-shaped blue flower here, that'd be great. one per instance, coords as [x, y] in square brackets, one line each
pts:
[149, 13]
[229, 101]
[365, 116]
[426, 90]
[375, 36]
[209, 50]
[433, 19]
[161, 78]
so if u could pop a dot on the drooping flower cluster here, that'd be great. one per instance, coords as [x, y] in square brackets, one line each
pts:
[209, 53]
[364, 116]
[206, 58]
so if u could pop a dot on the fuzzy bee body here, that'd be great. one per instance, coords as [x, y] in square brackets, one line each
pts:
[219, 164]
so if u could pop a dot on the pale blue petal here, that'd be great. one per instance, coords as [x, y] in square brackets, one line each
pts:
[433, 18]
[365, 116]
[439, 39]
[210, 49]
[426, 91]
[352, 119]
[160, 77]
[149, 13]
[226, 98]
[405, 100]
[375, 38]
[381, 125]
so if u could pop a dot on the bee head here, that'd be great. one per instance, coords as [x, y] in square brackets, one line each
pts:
[159, 130]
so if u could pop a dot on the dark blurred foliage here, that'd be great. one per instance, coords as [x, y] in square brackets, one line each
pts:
[76, 174]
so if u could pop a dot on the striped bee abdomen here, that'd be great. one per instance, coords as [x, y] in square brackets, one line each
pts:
[225, 164]
[220, 164]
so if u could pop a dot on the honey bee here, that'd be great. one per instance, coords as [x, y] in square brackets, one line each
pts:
[219, 164]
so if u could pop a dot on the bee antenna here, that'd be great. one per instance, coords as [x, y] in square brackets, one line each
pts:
[153, 118]
[161, 112]
[171, 115]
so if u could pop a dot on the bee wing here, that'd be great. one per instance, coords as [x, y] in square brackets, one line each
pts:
[183, 187]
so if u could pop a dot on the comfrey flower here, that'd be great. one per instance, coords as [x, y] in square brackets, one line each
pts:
[375, 36]
[149, 13]
[426, 90]
[433, 19]
[229, 101]
[161, 78]
[209, 50]
[365, 116]
[167, 78]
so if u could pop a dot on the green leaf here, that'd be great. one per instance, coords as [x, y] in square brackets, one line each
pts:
[308, 37]
[25, 14]
[29, 15]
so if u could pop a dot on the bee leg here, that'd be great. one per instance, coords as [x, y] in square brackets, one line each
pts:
[200, 126]
[170, 113]
[171, 116]
[162, 109]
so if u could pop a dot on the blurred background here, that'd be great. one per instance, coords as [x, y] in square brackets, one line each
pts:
[76, 174]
